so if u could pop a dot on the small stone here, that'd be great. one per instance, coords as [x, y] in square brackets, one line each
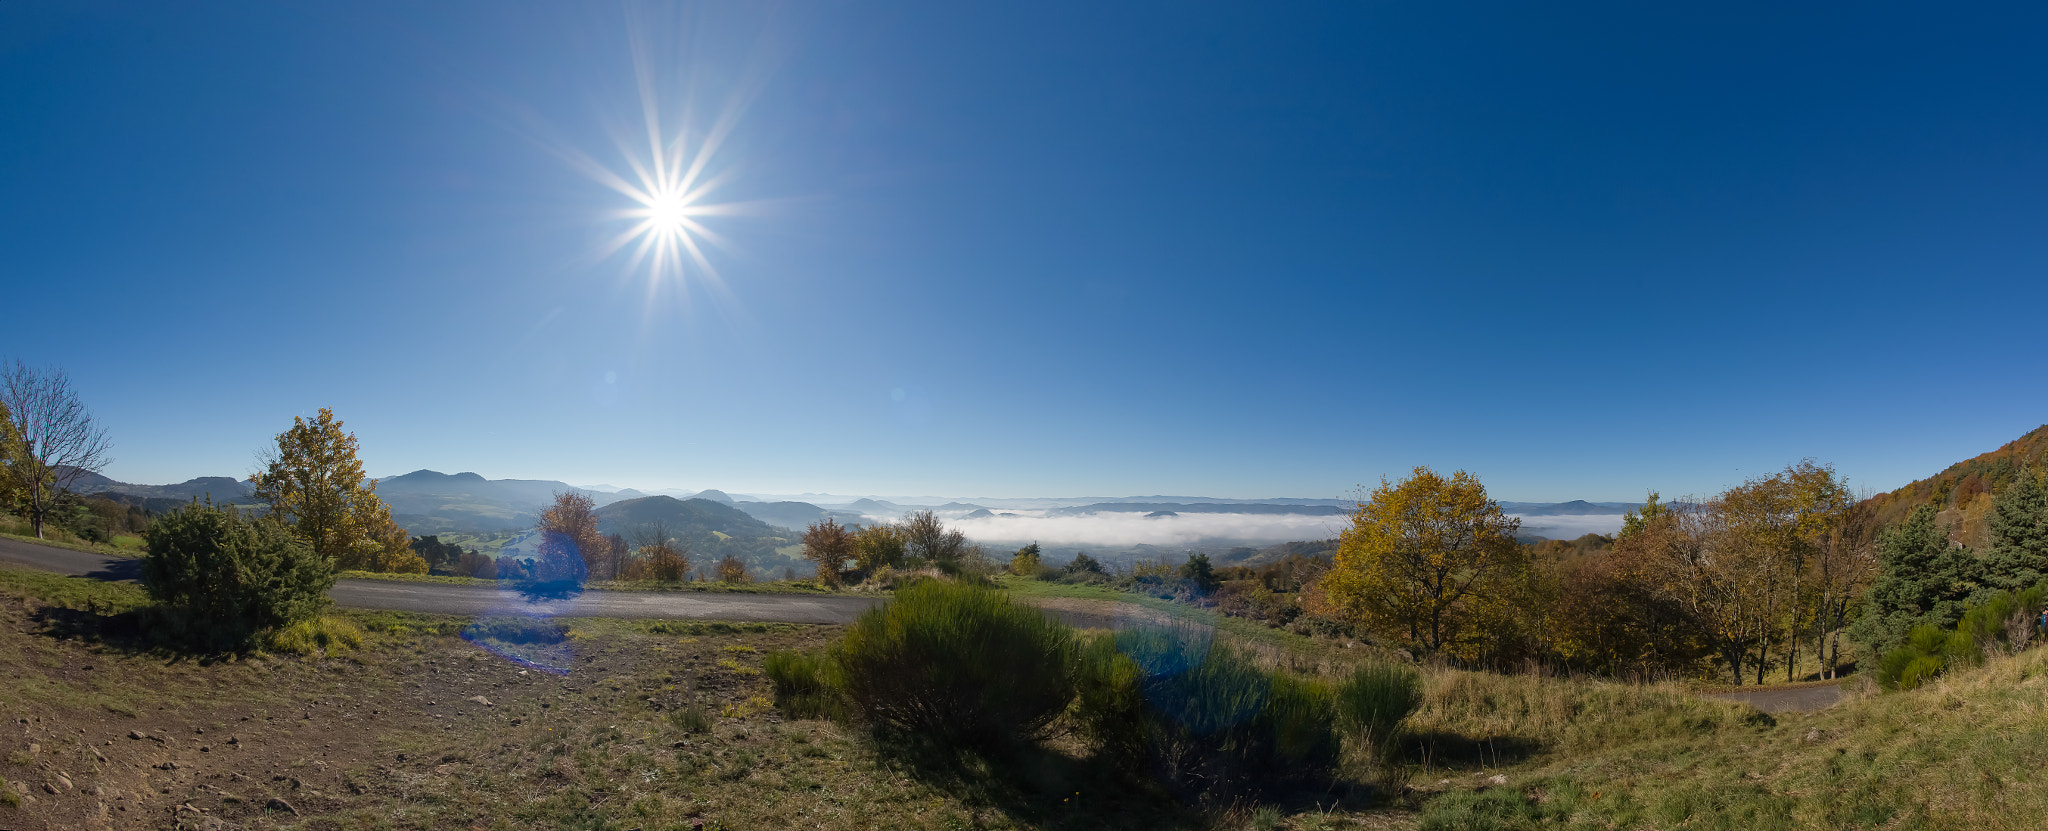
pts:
[479, 699]
[49, 788]
[137, 734]
[63, 781]
[277, 804]
[1497, 779]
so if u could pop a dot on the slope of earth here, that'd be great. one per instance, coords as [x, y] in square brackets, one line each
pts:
[585, 724]
[1966, 751]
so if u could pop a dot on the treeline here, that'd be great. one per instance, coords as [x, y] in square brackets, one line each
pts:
[883, 553]
[1767, 577]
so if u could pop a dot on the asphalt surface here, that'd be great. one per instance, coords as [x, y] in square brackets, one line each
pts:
[477, 601]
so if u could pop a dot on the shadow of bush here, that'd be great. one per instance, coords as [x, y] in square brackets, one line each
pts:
[1036, 787]
[1446, 749]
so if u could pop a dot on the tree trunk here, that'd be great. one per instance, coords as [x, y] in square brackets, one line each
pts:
[1791, 651]
[35, 507]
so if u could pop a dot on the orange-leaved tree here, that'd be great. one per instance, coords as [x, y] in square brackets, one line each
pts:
[315, 486]
[830, 545]
[571, 523]
[1429, 559]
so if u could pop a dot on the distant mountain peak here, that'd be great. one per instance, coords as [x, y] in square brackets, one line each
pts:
[713, 495]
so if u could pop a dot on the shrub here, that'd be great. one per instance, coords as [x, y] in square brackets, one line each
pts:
[1025, 563]
[227, 578]
[804, 687]
[1999, 622]
[958, 663]
[1201, 717]
[732, 570]
[1372, 703]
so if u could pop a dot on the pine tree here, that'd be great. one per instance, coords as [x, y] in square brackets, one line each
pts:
[1922, 580]
[2019, 534]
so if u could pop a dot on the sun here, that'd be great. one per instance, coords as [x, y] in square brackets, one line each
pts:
[667, 212]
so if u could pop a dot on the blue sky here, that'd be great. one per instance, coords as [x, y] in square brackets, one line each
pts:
[1582, 250]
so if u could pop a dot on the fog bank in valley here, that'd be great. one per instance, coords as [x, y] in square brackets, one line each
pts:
[1127, 529]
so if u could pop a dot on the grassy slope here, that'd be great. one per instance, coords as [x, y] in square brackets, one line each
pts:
[1967, 752]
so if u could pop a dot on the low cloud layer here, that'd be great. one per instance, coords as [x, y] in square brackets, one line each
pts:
[1571, 527]
[1119, 529]
[1124, 529]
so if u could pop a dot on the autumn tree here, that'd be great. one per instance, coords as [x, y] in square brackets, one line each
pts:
[10, 451]
[1777, 526]
[926, 539]
[51, 439]
[1844, 564]
[1423, 558]
[1025, 562]
[571, 522]
[732, 570]
[659, 554]
[830, 545]
[314, 484]
[877, 546]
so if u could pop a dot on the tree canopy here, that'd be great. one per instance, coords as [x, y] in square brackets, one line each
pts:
[314, 484]
[1424, 558]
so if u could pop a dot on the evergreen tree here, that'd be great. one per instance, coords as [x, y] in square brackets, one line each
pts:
[234, 577]
[1198, 572]
[1922, 580]
[2019, 534]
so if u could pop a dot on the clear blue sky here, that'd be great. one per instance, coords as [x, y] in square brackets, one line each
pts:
[1041, 248]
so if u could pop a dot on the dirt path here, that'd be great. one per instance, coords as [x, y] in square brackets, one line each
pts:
[439, 598]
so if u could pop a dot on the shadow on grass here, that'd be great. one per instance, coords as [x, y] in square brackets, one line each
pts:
[150, 630]
[1454, 750]
[1046, 789]
[1036, 787]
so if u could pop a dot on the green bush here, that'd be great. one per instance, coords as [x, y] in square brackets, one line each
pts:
[957, 663]
[1930, 650]
[804, 686]
[1201, 717]
[225, 578]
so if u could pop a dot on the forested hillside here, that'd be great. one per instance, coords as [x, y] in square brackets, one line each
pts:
[1963, 492]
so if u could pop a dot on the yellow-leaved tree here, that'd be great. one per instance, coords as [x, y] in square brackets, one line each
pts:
[315, 485]
[1429, 559]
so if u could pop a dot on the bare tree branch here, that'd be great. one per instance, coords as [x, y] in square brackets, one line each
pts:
[59, 439]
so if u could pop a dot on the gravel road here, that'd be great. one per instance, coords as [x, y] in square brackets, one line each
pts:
[473, 601]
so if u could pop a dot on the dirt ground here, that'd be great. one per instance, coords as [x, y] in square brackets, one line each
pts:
[101, 737]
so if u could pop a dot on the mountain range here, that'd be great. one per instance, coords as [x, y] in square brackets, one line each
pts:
[431, 502]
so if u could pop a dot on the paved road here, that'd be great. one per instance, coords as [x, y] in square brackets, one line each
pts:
[473, 601]
[1803, 699]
